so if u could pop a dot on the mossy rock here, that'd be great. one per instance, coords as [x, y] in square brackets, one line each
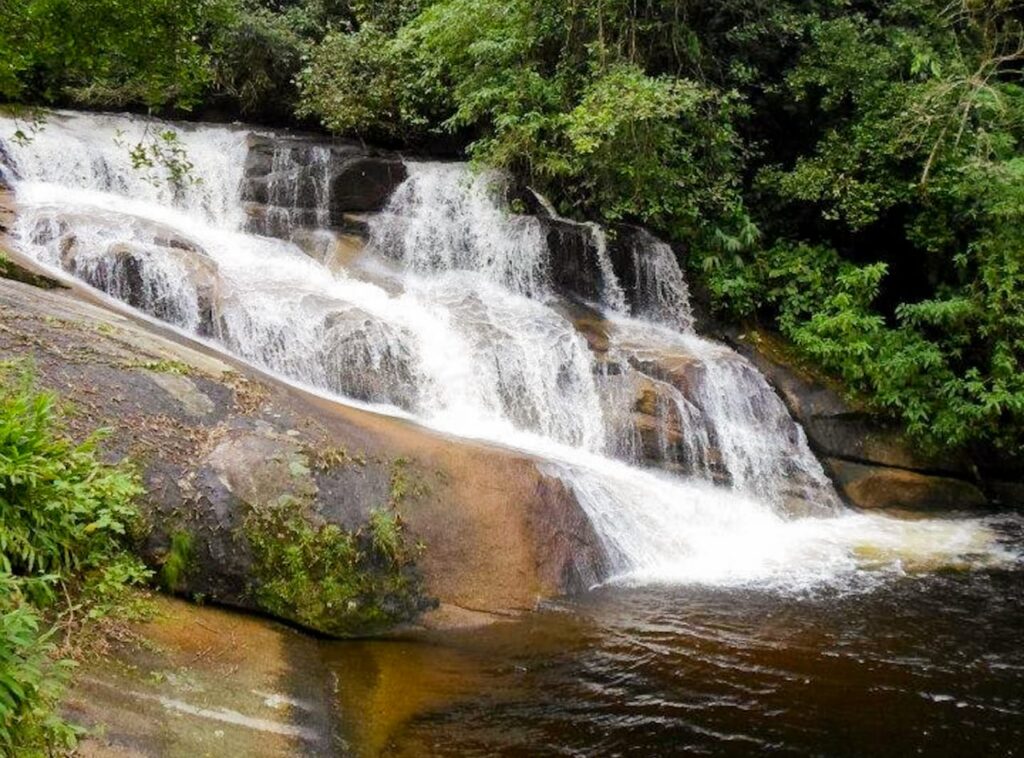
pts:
[328, 579]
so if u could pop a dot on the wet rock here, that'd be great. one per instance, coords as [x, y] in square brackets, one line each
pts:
[51, 225]
[370, 360]
[574, 269]
[259, 158]
[138, 275]
[337, 251]
[589, 323]
[1008, 493]
[7, 210]
[795, 506]
[836, 427]
[867, 486]
[578, 268]
[357, 224]
[299, 181]
[661, 430]
[256, 190]
[570, 555]
[872, 462]
[277, 221]
[364, 184]
[483, 528]
[657, 428]
[204, 681]
[633, 252]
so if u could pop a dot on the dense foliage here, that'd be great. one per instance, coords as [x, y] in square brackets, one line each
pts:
[847, 171]
[65, 520]
[106, 52]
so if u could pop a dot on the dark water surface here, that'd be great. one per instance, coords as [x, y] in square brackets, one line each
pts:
[925, 665]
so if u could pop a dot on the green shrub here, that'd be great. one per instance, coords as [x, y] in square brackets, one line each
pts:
[358, 83]
[104, 52]
[63, 511]
[256, 55]
[31, 681]
[848, 172]
[65, 521]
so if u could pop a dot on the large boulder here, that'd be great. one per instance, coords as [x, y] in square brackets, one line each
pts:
[175, 284]
[871, 460]
[588, 263]
[369, 359]
[337, 519]
[48, 226]
[867, 486]
[364, 183]
[574, 268]
[295, 182]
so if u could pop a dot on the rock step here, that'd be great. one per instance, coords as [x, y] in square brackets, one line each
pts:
[219, 444]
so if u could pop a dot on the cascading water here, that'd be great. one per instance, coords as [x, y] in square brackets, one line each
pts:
[683, 457]
[295, 192]
[612, 295]
[445, 218]
[662, 292]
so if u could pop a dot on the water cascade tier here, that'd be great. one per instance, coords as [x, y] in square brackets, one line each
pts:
[418, 292]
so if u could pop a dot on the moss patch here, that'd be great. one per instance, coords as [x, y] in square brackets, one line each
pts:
[178, 562]
[404, 485]
[164, 367]
[327, 579]
[327, 458]
[11, 270]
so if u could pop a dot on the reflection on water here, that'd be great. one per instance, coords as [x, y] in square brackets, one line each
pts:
[924, 665]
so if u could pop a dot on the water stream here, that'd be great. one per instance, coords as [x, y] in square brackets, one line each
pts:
[924, 665]
[449, 317]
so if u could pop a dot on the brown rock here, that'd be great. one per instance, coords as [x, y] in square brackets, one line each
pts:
[204, 681]
[497, 532]
[881, 487]
[1007, 492]
[335, 250]
[873, 463]
[835, 426]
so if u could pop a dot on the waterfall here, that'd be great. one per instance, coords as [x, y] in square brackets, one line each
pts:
[294, 194]
[676, 447]
[662, 294]
[612, 294]
[444, 220]
[444, 217]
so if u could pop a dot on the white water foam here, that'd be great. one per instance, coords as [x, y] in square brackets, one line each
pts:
[444, 217]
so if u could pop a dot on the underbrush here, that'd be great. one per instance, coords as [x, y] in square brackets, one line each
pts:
[68, 580]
